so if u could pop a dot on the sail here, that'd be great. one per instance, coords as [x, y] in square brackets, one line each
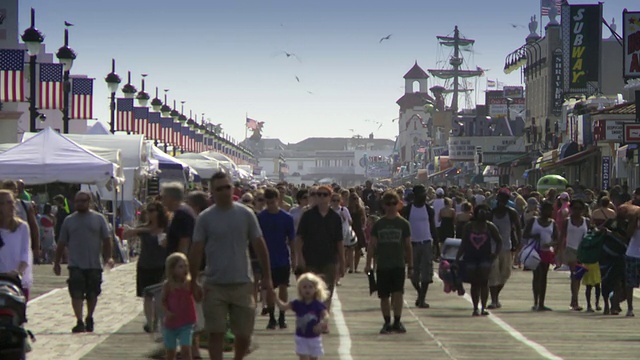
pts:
[450, 41]
[451, 73]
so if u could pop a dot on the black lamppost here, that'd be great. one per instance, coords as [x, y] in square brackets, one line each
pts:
[143, 97]
[33, 38]
[113, 81]
[66, 55]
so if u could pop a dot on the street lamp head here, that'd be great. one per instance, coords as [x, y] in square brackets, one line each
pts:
[129, 91]
[174, 114]
[165, 110]
[143, 98]
[156, 104]
[32, 37]
[66, 56]
[182, 118]
[113, 80]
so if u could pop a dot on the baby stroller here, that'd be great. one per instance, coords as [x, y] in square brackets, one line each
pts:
[449, 271]
[13, 307]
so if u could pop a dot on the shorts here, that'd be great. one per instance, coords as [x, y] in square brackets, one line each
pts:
[570, 256]
[327, 272]
[547, 257]
[475, 269]
[501, 269]
[182, 336]
[84, 283]
[422, 262]
[147, 277]
[280, 276]
[309, 346]
[632, 268]
[390, 281]
[234, 302]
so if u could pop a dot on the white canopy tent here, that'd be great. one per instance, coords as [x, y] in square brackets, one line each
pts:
[204, 165]
[222, 158]
[172, 169]
[50, 157]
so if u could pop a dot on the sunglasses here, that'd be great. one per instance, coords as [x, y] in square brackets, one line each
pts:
[246, 201]
[304, 197]
[323, 194]
[223, 188]
[391, 203]
[312, 194]
[335, 200]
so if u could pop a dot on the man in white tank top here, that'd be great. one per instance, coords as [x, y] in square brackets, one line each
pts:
[423, 235]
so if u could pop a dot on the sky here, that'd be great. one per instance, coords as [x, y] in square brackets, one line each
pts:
[227, 59]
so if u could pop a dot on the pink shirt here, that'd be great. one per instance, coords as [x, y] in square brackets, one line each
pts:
[181, 304]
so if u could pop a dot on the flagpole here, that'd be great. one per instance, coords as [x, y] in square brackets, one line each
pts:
[246, 116]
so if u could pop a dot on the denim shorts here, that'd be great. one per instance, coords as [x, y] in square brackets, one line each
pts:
[181, 336]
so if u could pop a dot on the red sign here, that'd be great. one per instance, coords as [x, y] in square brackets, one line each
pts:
[631, 133]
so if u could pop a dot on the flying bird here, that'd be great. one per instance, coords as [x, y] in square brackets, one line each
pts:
[67, 24]
[515, 26]
[297, 79]
[388, 37]
[288, 55]
[309, 92]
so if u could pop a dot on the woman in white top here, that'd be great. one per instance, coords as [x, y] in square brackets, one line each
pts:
[575, 228]
[15, 240]
[544, 230]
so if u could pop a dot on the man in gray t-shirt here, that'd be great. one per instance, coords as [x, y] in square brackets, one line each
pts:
[86, 234]
[223, 232]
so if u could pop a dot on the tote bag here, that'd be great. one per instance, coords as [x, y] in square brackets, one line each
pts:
[529, 256]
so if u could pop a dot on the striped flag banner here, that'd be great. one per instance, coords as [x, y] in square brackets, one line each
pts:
[51, 86]
[12, 75]
[192, 139]
[177, 134]
[140, 119]
[81, 98]
[166, 127]
[153, 126]
[200, 142]
[184, 138]
[124, 114]
[545, 6]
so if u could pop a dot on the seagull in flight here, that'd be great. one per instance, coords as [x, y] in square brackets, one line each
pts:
[388, 37]
[297, 79]
[515, 26]
[288, 55]
[67, 24]
[309, 92]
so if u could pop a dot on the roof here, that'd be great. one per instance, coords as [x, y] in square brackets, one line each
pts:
[333, 144]
[620, 109]
[416, 72]
[411, 100]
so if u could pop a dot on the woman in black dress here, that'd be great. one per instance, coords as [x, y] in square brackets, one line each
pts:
[358, 216]
[150, 269]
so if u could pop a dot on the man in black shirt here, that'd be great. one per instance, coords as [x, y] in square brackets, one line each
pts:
[183, 221]
[319, 240]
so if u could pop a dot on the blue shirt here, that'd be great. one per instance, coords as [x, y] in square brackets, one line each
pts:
[277, 230]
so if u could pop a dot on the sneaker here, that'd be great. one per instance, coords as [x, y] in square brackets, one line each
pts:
[399, 328]
[79, 328]
[272, 324]
[630, 313]
[493, 306]
[590, 309]
[386, 329]
[264, 311]
[88, 324]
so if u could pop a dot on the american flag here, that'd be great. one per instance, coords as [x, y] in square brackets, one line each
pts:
[81, 98]
[166, 127]
[124, 114]
[545, 6]
[200, 142]
[153, 126]
[11, 75]
[177, 134]
[184, 138]
[140, 119]
[50, 86]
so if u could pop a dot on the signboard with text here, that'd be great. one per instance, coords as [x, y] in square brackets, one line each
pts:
[631, 133]
[581, 34]
[606, 172]
[557, 97]
[631, 44]
[462, 148]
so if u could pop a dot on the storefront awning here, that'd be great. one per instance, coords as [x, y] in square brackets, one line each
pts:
[517, 160]
[576, 158]
[443, 172]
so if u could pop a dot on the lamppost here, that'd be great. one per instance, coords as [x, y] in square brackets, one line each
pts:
[156, 103]
[113, 81]
[143, 97]
[66, 56]
[509, 102]
[33, 38]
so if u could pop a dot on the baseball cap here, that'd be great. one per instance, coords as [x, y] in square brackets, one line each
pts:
[439, 192]
[564, 196]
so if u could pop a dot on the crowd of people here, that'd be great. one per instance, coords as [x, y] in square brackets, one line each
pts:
[224, 256]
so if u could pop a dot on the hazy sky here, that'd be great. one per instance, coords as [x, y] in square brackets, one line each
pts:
[225, 58]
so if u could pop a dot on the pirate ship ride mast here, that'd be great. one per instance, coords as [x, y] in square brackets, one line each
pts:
[456, 61]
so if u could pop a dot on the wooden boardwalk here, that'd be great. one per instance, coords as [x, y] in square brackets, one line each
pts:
[445, 331]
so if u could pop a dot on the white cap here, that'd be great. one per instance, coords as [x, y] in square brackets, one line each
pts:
[439, 191]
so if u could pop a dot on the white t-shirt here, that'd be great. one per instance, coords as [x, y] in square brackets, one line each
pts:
[420, 225]
[346, 218]
[575, 234]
